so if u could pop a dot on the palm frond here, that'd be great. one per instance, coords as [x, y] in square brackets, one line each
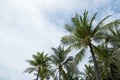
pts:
[55, 50]
[69, 28]
[31, 62]
[111, 25]
[101, 22]
[92, 19]
[29, 70]
[66, 51]
[76, 21]
[100, 37]
[97, 27]
[67, 40]
[70, 58]
[79, 56]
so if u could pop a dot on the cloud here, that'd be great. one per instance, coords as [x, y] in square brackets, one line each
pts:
[29, 26]
[23, 32]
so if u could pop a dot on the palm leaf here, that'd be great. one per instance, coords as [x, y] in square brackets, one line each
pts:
[67, 40]
[69, 28]
[92, 19]
[79, 56]
[31, 62]
[29, 70]
[70, 58]
[98, 25]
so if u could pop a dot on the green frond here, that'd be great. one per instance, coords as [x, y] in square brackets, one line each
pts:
[55, 59]
[98, 26]
[76, 21]
[114, 37]
[81, 20]
[92, 19]
[111, 24]
[70, 58]
[101, 22]
[98, 50]
[85, 16]
[117, 31]
[33, 63]
[55, 50]
[29, 70]
[79, 56]
[69, 28]
[112, 31]
[72, 41]
[78, 45]
[89, 72]
[67, 40]
[100, 36]
[110, 27]
[66, 51]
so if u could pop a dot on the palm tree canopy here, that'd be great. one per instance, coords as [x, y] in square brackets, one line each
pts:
[41, 64]
[83, 30]
[40, 59]
[60, 58]
[60, 55]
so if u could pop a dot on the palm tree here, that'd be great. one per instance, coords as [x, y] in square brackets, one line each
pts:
[83, 32]
[108, 58]
[40, 63]
[60, 59]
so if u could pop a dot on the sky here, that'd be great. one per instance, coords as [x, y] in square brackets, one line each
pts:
[30, 26]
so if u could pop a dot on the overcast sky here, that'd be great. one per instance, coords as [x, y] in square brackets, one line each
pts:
[29, 26]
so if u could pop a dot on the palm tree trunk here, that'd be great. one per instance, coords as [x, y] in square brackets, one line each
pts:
[42, 73]
[95, 63]
[38, 73]
[60, 71]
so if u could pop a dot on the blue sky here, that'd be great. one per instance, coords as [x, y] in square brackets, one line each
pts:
[29, 26]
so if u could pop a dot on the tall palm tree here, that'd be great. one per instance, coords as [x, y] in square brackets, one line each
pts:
[60, 59]
[83, 32]
[40, 63]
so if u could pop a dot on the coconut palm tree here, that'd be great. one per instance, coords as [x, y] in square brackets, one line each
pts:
[108, 58]
[83, 33]
[60, 59]
[40, 63]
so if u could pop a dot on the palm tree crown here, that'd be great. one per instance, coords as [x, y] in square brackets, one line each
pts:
[60, 59]
[40, 63]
